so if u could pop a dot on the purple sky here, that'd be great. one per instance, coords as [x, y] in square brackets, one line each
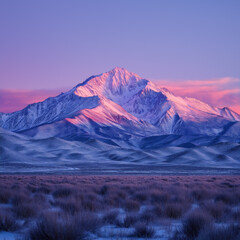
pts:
[55, 44]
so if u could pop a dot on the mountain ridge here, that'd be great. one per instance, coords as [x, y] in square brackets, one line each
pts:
[118, 104]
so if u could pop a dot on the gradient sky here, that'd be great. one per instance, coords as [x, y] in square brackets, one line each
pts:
[57, 44]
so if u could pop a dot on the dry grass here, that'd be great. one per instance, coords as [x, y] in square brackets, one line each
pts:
[111, 217]
[175, 210]
[129, 220]
[195, 222]
[7, 221]
[231, 232]
[143, 199]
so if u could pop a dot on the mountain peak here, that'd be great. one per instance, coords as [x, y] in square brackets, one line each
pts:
[117, 81]
[121, 73]
[119, 69]
[126, 101]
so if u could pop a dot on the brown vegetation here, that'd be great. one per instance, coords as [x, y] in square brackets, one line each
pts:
[73, 207]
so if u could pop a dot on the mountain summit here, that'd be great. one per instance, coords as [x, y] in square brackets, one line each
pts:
[120, 105]
[111, 84]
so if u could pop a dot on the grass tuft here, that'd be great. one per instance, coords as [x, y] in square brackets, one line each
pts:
[7, 222]
[195, 222]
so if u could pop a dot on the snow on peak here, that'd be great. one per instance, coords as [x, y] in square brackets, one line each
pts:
[136, 94]
[113, 84]
[229, 114]
[121, 98]
[119, 70]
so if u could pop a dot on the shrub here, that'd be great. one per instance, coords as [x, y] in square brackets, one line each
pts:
[69, 206]
[141, 196]
[51, 227]
[225, 233]
[121, 194]
[90, 205]
[88, 222]
[195, 222]
[157, 210]
[26, 210]
[112, 199]
[215, 209]
[129, 220]
[225, 197]
[39, 198]
[143, 231]
[54, 226]
[111, 217]
[7, 222]
[44, 190]
[5, 196]
[236, 215]
[131, 205]
[159, 197]
[174, 210]
[147, 216]
[104, 190]
[199, 194]
[19, 199]
[62, 192]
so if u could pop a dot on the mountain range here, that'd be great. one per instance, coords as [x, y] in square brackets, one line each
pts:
[121, 104]
[121, 110]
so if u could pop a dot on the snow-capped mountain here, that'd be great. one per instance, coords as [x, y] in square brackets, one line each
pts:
[120, 105]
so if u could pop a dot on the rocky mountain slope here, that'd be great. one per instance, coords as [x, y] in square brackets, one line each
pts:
[120, 105]
[117, 122]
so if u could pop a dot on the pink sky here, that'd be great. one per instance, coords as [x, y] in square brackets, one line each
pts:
[14, 100]
[223, 92]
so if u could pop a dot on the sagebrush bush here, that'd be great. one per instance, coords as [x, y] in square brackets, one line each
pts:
[5, 196]
[76, 201]
[113, 200]
[44, 190]
[226, 197]
[147, 216]
[129, 220]
[231, 232]
[111, 217]
[90, 205]
[174, 210]
[54, 226]
[39, 198]
[158, 196]
[141, 196]
[195, 222]
[19, 199]
[201, 193]
[88, 221]
[103, 190]
[131, 205]
[62, 192]
[157, 210]
[51, 227]
[7, 222]
[141, 230]
[26, 210]
[70, 206]
[216, 210]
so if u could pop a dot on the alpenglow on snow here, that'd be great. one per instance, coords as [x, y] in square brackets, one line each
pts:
[120, 105]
